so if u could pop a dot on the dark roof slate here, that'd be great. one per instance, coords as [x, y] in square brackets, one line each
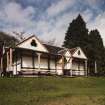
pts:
[53, 49]
[72, 50]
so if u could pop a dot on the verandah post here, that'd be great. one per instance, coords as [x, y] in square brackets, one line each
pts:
[7, 60]
[48, 62]
[71, 73]
[11, 57]
[62, 64]
[1, 68]
[39, 54]
[86, 68]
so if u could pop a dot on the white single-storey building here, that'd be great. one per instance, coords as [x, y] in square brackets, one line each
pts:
[32, 57]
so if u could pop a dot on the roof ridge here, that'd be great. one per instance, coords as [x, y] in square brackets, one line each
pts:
[73, 48]
[25, 39]
[52, 45]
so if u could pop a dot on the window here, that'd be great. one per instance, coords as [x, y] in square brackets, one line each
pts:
[33, 43]
[79, 53]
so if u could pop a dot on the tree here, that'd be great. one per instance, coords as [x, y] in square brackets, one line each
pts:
[20, 36]
[97, 50]
[77, 34]
[7, 39]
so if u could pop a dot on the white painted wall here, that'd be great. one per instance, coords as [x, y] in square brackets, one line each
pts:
[68, 65]
[82, 66]
[44, 63]
[59, 66]
[59, 72]
[52, 64]
[76, 65]
[27, 62]
[36, 62]
[16, 69]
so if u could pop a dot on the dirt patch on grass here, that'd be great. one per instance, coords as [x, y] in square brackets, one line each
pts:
[79, 100]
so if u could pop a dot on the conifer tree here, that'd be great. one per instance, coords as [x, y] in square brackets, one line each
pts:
[77, 34]
[97, 52]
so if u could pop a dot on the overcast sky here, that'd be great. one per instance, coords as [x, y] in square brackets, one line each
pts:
[49, 19]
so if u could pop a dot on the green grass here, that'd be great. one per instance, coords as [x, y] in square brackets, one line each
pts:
[52, 91]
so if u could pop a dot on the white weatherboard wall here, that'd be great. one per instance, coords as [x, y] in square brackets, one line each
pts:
[52, 64]
[67, 65]
[78, 69]
[82, 67]
[76, 66]
[16, 67]
[44, 63]
[59, 67]
[36, 62]
[27, 44]
[59, 72]
[27, 62]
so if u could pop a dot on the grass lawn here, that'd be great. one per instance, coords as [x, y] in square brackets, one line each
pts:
[52, 91]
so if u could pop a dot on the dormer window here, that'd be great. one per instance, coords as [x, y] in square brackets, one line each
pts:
[79, 53]
[33, 43]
